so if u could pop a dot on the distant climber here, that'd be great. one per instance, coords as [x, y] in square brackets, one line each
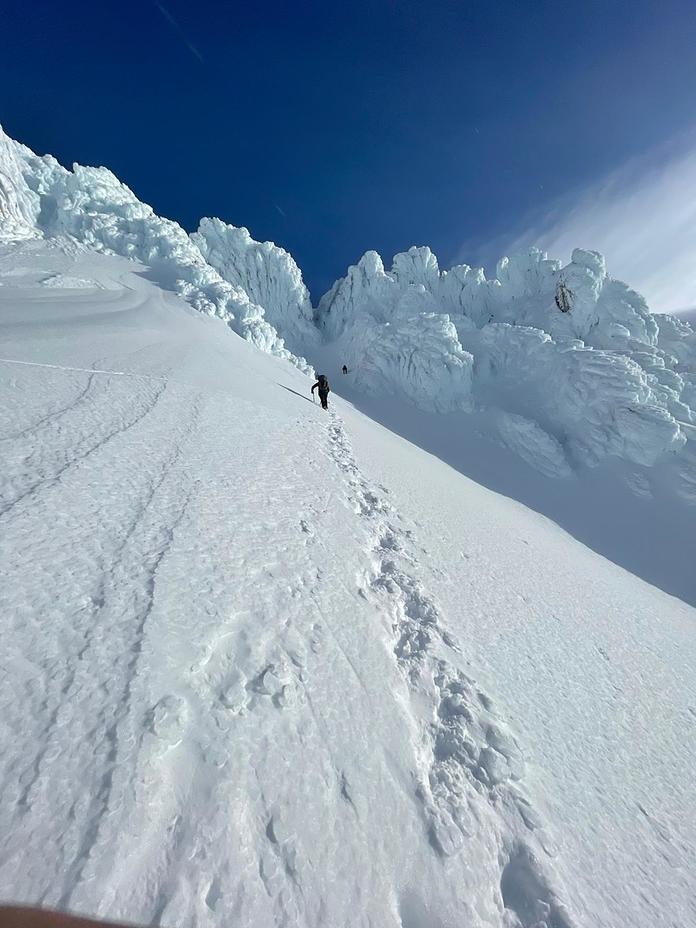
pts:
[344, 369]
[322, 385]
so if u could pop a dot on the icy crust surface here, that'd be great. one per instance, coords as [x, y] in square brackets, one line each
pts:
[563, 388]
[91, 206]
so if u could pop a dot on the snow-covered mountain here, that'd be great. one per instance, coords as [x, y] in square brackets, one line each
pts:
[592, 410]
[568, 389]
[267, 666]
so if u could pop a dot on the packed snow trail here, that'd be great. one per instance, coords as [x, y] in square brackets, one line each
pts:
[251, 677]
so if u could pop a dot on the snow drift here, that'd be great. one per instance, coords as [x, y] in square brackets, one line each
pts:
[565, 390]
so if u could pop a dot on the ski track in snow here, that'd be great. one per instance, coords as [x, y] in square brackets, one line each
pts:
[50, 466]
[467, 744]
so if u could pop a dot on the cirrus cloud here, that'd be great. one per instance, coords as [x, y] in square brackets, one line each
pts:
[642, 217]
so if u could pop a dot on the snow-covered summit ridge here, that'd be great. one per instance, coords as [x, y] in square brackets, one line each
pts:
[604, 378]
[39, 197]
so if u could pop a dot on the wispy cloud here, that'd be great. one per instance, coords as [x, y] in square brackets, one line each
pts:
[280, 211]
[179, 31]
[642, 217]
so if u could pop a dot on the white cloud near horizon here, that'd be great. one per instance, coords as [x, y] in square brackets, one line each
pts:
[642, 217]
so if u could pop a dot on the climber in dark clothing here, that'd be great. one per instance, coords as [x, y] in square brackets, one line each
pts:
[344, 369]
[322, 385]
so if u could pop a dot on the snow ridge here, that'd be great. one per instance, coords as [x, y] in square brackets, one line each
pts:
[604, 379]
[92, 207]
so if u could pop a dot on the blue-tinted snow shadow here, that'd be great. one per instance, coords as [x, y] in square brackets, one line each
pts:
[653, 538]
[290, 390]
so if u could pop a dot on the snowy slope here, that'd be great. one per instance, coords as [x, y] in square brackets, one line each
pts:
[268, 666]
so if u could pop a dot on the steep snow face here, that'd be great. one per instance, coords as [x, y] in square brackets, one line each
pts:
[597, 376]
[92, 207]
[267, 273]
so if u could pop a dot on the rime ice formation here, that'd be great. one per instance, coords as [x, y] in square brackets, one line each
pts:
[421, 358]
[19, 205]
[92, 207]
[267, 273]
[605, 379]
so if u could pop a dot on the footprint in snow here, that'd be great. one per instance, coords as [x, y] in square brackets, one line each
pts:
[234, 695]
[526, 892]
[167, 719]
[275, 681]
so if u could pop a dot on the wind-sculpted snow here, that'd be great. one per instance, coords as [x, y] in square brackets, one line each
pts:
[91, 206]
[267, 273]
[564, 388]
[18, 204]
[594, 403]
[420, 358]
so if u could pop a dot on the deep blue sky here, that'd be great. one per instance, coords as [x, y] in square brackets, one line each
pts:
[332, 128]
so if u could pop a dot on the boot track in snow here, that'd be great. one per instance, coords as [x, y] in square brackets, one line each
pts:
[466, 747]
